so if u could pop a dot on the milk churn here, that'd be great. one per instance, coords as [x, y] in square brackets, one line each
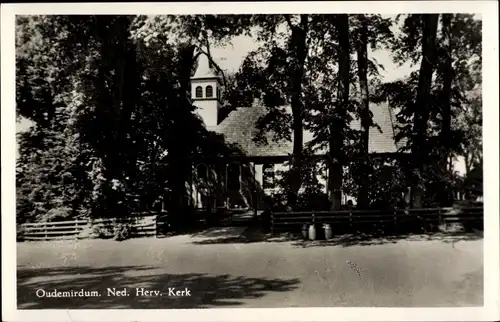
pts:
[312, 232]
[304, 231]
[328, 231]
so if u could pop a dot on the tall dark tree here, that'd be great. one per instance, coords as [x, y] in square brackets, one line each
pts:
[366, 121]
[422, 102]
[299, 50]
[336, 143]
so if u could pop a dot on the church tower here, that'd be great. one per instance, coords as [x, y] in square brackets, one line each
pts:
[205, 92]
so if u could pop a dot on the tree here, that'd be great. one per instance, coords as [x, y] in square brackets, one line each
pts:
[190, 36]
[298, 49]
[63, 56]
[421, 115]
[362, 53]
[375, 31]
[285, 69]
[338, 124]
[435, 132]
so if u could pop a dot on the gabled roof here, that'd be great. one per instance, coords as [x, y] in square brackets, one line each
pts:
[239, 128]
[381, 141]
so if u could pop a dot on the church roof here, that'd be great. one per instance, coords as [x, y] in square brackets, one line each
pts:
[204, 70]
[381, 140]
[239, 128]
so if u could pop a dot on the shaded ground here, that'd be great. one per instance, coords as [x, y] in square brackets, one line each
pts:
[206, 290]
[254, 234]
[223, 269]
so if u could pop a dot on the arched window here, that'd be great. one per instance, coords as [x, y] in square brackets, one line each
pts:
[233, 177]
[199, 91]
[268, 176]
[209, 91]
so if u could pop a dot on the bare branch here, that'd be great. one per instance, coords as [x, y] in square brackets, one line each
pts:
[209, 56]
[288, 21]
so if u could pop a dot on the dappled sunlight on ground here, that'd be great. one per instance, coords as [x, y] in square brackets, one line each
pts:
[226, 268]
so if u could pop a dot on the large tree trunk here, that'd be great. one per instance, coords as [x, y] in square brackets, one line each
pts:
[113, 103]
[179, 151]
[421, 116]
[336, 143]
[299, 53]
[118, 65]
[447, 79]
[445, 134]
[362, 55]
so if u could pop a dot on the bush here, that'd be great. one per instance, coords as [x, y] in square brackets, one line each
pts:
[87, 232]
[58, 214]
[122, 232]
[20, 233]
[102, 231]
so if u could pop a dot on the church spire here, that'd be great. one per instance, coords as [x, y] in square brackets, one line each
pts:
[205, 92]
[204, 69]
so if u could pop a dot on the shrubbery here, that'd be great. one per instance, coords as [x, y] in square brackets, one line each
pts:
[117, 231]
[20, 233]
[102, 231]
[122, 231]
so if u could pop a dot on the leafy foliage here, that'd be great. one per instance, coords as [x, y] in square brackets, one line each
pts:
[108, 97]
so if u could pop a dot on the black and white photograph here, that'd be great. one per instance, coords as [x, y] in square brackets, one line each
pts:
[249, 160]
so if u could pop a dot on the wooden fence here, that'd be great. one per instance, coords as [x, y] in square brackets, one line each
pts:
[142, 226]
[398, 220]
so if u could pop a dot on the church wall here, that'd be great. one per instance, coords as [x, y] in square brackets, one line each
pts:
[208, 111]
[207, 108]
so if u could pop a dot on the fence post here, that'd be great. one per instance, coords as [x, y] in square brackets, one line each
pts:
[440, 218]
[155, 225]
[395, 219]
[272, 223]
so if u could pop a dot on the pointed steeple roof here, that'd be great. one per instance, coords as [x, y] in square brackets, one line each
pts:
[204, 70]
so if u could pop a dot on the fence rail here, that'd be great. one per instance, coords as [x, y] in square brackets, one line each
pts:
[142, 226]
[358, 220]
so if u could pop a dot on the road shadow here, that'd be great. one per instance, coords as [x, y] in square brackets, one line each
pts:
[366, 239]
[217, 232]
[257, 235]
[207, 291]
[252, 234]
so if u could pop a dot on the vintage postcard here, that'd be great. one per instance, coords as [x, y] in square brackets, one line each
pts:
[250, 161]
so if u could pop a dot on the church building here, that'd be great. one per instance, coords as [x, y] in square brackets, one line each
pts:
[244, 183]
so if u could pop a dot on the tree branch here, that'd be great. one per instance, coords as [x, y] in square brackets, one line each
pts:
[288, 21]
[207, 53]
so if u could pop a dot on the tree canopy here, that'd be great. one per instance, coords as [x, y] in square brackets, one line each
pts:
[108, 97]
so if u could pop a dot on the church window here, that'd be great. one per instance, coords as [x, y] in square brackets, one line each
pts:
[209, 91]
[199, 91]
[233, 177]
